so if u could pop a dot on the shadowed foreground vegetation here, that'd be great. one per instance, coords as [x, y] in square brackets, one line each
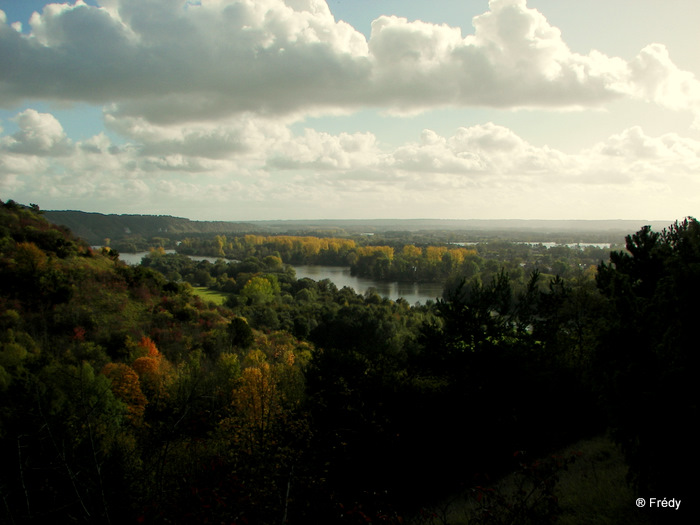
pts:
[582, 483]
[129, 397]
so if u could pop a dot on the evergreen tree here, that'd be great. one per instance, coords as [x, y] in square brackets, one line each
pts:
[648, 357]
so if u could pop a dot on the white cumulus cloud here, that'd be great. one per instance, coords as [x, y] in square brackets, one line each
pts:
[203, 103]
[168, 61]
[39, 134]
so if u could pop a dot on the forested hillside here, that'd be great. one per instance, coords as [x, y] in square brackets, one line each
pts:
[126, 398]
[95, 228]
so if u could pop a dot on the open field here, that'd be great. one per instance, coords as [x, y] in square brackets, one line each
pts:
[210, 295]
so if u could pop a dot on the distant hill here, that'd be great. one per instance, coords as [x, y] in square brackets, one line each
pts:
[95, 227]
[532, 225]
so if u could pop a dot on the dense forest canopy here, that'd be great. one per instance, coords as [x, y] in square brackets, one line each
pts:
[127, 398]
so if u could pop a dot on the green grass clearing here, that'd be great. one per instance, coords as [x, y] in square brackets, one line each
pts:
[210, 295]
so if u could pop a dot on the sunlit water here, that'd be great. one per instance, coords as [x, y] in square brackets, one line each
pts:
[340, 276]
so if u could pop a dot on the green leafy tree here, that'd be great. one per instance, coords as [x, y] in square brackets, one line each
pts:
[260, 290]
[240, 333]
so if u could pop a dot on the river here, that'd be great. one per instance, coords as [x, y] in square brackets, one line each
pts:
[340, 276]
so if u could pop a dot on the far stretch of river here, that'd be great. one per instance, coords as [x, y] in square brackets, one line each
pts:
[134, 259]
[340, 276]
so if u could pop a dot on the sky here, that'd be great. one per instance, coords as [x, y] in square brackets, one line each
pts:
[353, 109]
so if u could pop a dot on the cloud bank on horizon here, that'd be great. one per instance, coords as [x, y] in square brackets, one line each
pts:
[221, 109]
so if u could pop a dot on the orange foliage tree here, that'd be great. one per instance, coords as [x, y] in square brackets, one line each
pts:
[149, 346]
[153, 369]
[126, 386]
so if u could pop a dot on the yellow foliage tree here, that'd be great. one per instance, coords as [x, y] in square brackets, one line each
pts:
[434, 253]
[257, 404]
[412, 252]
[29, 258]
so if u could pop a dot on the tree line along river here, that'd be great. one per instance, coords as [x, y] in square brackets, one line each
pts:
[340, 276]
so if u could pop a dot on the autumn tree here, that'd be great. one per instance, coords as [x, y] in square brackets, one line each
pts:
[126, 386]
[265, 435]
[153, 369]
